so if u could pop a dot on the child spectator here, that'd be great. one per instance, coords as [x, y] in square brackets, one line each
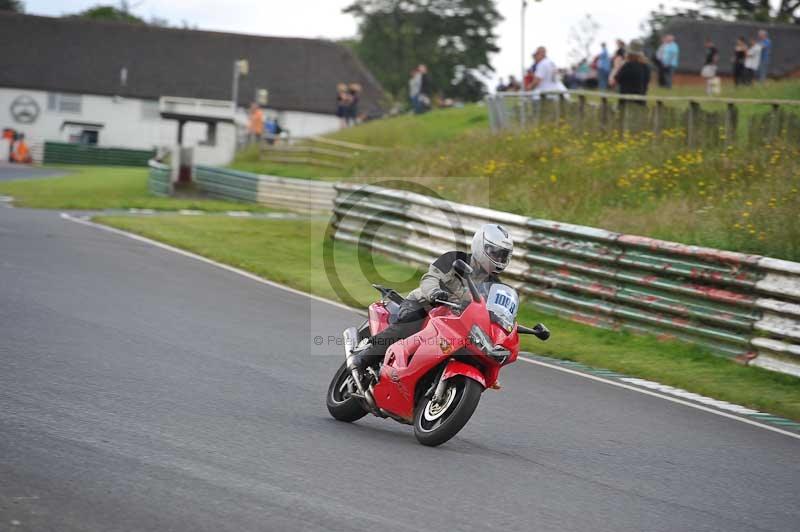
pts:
[20, 153]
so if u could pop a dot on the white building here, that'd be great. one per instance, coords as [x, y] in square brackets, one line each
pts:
[99, 83]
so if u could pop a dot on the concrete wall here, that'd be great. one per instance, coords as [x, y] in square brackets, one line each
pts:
[135, 123]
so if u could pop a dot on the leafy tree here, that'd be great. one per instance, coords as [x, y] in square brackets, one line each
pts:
[755, 10]
[109, 13]
[454, 38]
[12, 5]
[758, 10]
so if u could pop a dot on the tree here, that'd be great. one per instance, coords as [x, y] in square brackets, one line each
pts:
[12, 5]
[754, 10]
[108, 12]
[454, 38]
[581, 38]
[757, 10]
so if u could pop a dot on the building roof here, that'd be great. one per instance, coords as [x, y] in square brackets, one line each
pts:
[690, 34]
[87, 56]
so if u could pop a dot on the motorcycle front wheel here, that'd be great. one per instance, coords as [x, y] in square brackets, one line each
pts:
[435, 423]
[340, 404]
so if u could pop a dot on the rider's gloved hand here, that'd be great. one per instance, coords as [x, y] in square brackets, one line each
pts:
[439, 294]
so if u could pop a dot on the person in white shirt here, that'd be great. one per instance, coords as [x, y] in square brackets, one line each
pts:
[545, 77]
[752, 60]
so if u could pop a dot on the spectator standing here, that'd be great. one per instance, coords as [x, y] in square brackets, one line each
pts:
[709, 70]
[20, 153]
[425, 90]
[342, 103]
[670, 57]
[414, 83]
[739, 54]
[766, 53]
[352, 108]
[545, 77]
[10, 136]
[513, 84]
[633, 77]
[527, 81]
[603, 68]
[658, 60]
[752, 61]
[617, 61]
[255, 124]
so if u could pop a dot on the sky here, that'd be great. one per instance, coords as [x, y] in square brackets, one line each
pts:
[547, 22]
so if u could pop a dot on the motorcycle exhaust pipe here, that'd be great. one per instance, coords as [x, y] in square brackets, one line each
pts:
[350, 336]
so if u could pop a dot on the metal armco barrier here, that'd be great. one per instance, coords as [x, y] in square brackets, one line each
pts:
[745, 307]
[159, 181]
[286, 193]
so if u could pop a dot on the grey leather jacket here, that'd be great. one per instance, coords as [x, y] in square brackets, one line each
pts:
[441, 274]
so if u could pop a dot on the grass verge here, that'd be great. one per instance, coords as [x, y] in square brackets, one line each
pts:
[248, 244]
[99, 187]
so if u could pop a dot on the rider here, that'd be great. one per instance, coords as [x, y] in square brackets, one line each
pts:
[491, 252]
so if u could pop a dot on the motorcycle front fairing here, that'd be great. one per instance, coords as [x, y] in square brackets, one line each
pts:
[444, 335]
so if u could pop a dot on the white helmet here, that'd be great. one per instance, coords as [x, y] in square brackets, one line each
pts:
[491, 248]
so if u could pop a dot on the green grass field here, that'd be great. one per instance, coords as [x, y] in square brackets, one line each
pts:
[248, 244]
[99, 187]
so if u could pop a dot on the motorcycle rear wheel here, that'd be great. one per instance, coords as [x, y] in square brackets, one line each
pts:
[340, 405]
[435, 424]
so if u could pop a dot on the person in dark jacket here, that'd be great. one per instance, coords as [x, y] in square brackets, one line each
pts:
[739, 54]
[633, 77]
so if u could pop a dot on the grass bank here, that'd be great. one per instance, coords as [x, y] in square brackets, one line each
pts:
[432, 129]
[247, 244]
[99, 187]
[742, 198]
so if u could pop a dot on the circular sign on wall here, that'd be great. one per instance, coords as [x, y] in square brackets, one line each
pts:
[24, 109]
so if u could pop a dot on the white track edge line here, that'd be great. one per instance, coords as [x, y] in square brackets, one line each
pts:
[206, 260]
[661, 396]
[261, 280]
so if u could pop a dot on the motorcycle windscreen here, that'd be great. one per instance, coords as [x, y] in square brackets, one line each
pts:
[502, 302]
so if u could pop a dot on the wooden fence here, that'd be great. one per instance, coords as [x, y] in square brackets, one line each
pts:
[703, 121]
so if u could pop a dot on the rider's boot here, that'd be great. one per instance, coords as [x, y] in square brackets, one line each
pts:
[362, 357]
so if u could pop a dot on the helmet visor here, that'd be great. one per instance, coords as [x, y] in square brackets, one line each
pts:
[497, 254]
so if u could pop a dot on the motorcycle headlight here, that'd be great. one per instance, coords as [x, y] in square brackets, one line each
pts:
[481, 340]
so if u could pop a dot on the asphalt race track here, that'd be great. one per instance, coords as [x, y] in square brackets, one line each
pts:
[144, 390]
[10, 172]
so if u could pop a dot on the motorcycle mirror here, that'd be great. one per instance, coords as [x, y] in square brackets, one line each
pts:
[462, 268]
[539, 331]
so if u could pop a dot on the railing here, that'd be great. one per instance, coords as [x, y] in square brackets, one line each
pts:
[703, 120]
[317, 151]
[745, 307]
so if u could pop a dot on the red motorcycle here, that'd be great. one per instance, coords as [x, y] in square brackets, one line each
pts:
[433, 379]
